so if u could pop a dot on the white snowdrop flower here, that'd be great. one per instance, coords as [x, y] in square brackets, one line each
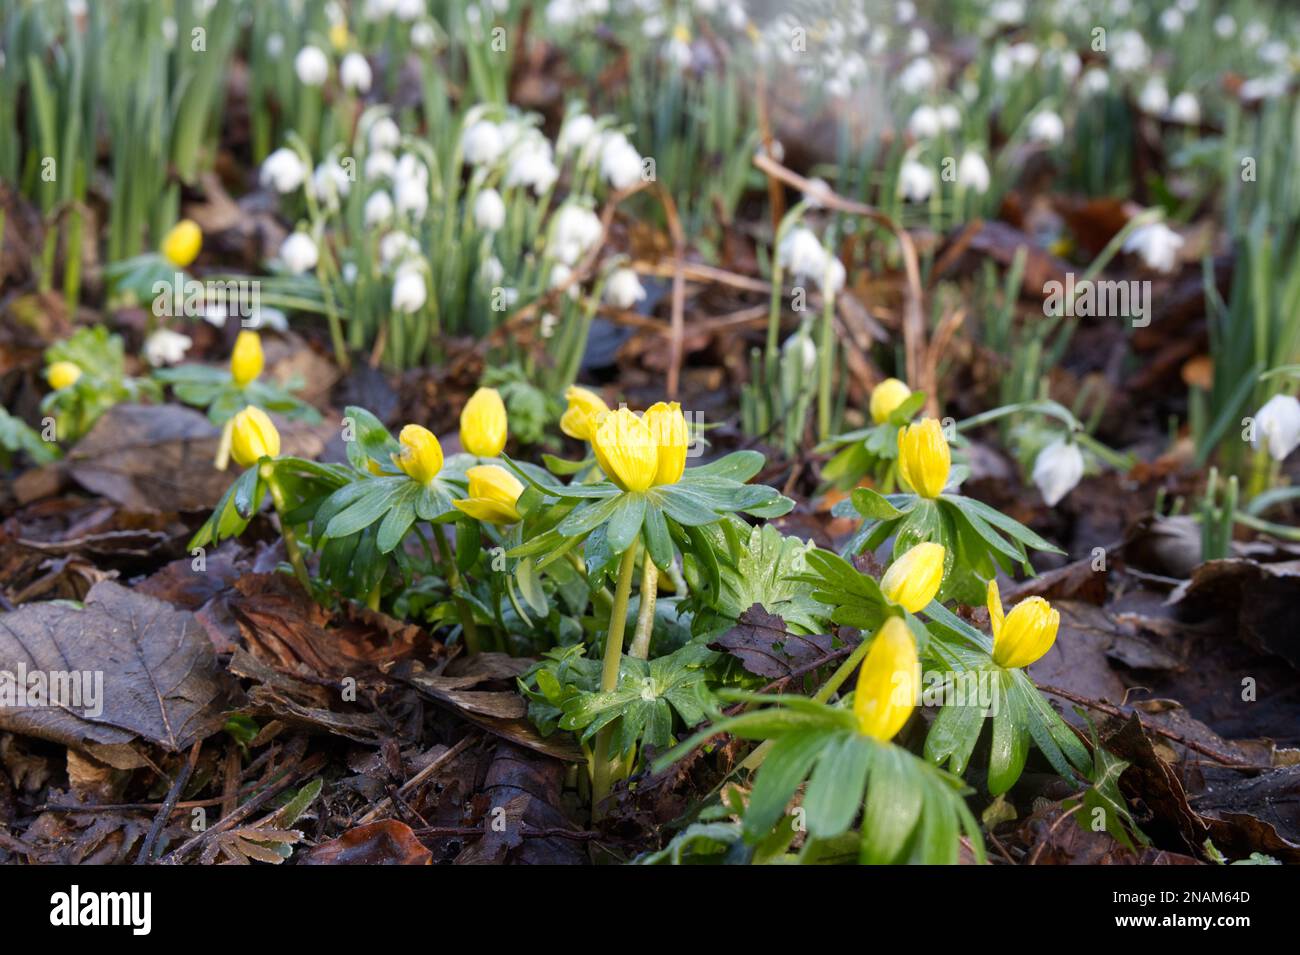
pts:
[576, 231]
[354, 73]
[77, 9]
[1275, 52]
[623, 289]
[973, 172]
[832, 279]
[283, 171]
[915, 181]
[1224, 26]
[620, 163]
[1129, 51]
[576, 131]
[736, 15]
[802, 254]
[330, 182]
[1070, 65]
[1058, 468]
[1046, 127]
[531, 165]
[489, 210]
[1172, 20]
[1154, 98]
[1002, 65]
[214, 313]
[816, 187]
[408, 10]
[1007, 12]
[1255, 33]
[1024, 55]
[384, 135]
[397, 247]
[917, 76]
[492, 271]
[380, 164]
[1278, 425]
[677, 51]
[378, 9]
[411, 167]
[1121, 8]
[268, 317]
[411, 196]
[654, 26]
[299, 253]
[924, 123]
[799, 348]
[949, 116]
[422, 35]
[349, 273]
[379, 209]
[1264, 87]
[549, 323]
[409, 290]
[1188, 6]
[169, 31]
[1095, 80]
[918, 42]
[1156, 245]
[311, 65]
[482, 143]
[1185, 109]
[166, 347]
[560, 275]
[905, 11]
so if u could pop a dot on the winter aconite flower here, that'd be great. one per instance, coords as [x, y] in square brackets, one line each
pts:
[1023, 635]
[252, 437]
[583, 414]
[913, 579]
[483, 424]
[626, 450]
[180, 246]
[887, 396]
[62, 374]
[668, 427]
[923, 457]
[493, 495]
[246, 360]
[1057, 469]
[421, 455]
[888, 682]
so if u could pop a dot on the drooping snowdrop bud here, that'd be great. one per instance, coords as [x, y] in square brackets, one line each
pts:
[924, 123]
[1094, 81]
[1185, 109]
[918, 76]
[330, 183]
[489, 210]
[423, 36]
[620, 163]
[166, 347]
[354, 73]
[409, 290]
[384, 135]
[1057, 469]
[1046, 127]
[531, 165]
[380, 164]
[312, 66]
[1156, 245]
[915, 181]
[623, 289]
[973, 172]
[283, 170]
[482, 143]
[1154, 98]
[379, 209]
[397, 247]
[299, 253]
[576, 230]
[1277, 425]
[575, 134]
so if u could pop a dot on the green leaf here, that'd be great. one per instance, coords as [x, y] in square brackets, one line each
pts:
[377, 496]
[872, 504]
[1010, 746]
[625, 523]
[785, 767]
[894, 800]
[835, 791]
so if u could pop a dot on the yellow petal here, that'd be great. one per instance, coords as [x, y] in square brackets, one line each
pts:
[914, 579]
[667, 425]
[483, 424]
[887, 396]
[1027, 633]
[994, 601]
[923, 457]
[889, 681]
[246, 360]
[584, 411]
[421, 455]
[180, 246]
[63, 374]
[253, 436]
[493, 494]
[626, 450]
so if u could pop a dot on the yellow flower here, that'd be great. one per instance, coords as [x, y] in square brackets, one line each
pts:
[246, 360]
[252, 437]
[923, 457]
[667, 425]
[421, 456]
[583, 414]
[339, 35]
[626, 450]
[180, 246]
[1023, 635]
[888, 682]
[682, 33]
[483, 424]
[493, 494]
[887, 396]
[914, 579]
[62, 374]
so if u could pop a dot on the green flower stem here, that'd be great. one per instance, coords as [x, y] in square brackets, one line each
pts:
[645, 615]
[453, 581]
[825, 356]
[372, 598]
[266, 471]
[602, 775]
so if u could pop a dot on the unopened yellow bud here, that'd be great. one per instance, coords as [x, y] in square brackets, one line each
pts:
[253, 436]
[914, 579]
[493, 494]
[887, 396]
[246, 360]
[889, 681]
[483, 424]
[421, 455]
[584, 412]
[63, 374]
[1023, 635]
[923, 457]
[180, 246]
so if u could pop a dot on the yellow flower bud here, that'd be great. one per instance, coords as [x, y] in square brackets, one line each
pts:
[889, 681]
[180, 246]
[421, 455]
[252, 437]
[887, 396]
[339, 35]
[63, 374]
[914, 579]
[1023, 635]
[667, 426]
[583, 414]
[483, 424]
[626, 450]
[493, 494]
[923, 457]
[246, 360]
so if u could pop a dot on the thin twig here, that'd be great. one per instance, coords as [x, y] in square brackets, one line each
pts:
[386, 803]
[165, 813]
